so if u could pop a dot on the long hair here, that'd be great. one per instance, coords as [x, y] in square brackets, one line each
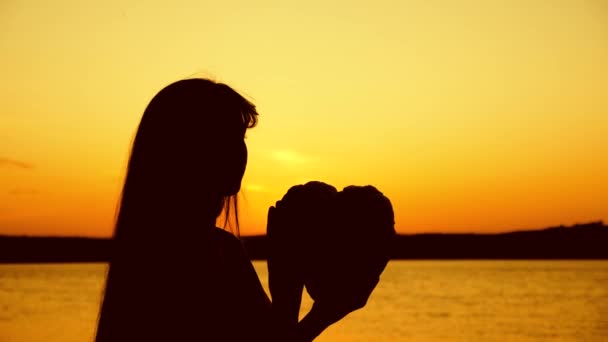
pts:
[185, 168]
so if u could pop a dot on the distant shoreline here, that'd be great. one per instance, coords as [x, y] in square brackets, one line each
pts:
[582, 241]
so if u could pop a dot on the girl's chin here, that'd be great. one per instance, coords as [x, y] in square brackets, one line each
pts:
[233, 191]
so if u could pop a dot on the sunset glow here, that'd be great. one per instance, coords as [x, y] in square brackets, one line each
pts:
[475, 116]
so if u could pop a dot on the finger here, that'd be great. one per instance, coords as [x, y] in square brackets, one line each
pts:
[270, 220]
[366, 292]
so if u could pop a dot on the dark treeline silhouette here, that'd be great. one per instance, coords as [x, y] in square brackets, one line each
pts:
[30, 249]
[581, 241]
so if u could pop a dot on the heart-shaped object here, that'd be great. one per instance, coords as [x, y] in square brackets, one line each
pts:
[342, 238]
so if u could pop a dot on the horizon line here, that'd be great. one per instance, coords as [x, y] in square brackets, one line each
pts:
[576, 225]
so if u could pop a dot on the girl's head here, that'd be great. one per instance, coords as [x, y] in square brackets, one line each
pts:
[188, 156]
[186, 165]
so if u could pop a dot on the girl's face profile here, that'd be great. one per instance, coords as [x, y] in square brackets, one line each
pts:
[243, 166]
[237, 170]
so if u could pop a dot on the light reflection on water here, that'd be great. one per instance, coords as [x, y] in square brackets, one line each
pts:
[415, 301]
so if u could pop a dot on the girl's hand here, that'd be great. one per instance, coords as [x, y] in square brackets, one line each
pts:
[284, 279]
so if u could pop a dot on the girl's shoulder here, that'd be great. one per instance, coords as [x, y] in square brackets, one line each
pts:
[230, 248]
[225, 238]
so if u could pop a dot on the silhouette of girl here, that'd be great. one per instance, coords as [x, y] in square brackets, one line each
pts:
[173, 275]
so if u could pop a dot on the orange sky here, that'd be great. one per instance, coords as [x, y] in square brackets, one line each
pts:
[469, 115]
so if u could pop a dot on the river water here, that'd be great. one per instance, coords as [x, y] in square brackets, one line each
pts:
[415, 301]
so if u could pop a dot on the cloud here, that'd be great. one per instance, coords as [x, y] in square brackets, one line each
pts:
[23, 192]
[289, 156]
[6, 162]
[255, 188]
